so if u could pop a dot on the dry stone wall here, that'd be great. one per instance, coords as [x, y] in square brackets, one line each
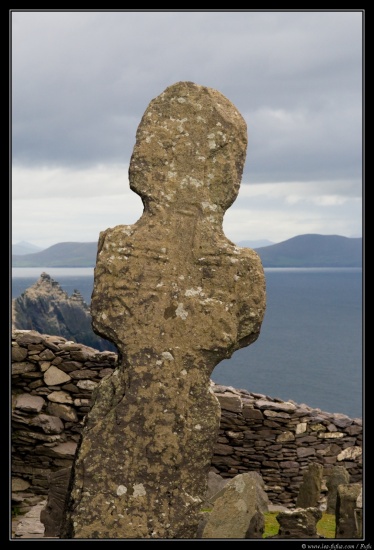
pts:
[281, 439]
[52, 383]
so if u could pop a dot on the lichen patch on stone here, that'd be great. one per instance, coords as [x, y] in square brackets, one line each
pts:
[181, 312]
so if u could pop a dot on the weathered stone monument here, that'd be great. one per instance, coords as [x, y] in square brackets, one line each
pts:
[300, 523]
[348, 523]
[176, 297]
[338, 476]
[310, 488]
[238, 509]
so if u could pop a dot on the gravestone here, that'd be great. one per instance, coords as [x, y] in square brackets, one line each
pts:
[338, 476]
[176, 297]
[310, 488]
[238, 509]
[214, 484]
[345, 515]
[300, 523]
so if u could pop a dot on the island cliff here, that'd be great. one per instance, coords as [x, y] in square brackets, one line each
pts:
[47, 308]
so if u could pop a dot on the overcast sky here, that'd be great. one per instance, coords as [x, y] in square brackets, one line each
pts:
[81, 81]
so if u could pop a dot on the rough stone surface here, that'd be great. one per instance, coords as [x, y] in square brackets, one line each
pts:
[215, 484]
[299, 523]
[338, 476]
[358, 514]
[345, 517]
[55, 376]
[19, 484]
[350, 453]
[31, 403]
[176, 297]
[310, 489]
[238, 509]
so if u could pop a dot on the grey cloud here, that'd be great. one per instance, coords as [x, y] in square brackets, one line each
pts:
[81, 82]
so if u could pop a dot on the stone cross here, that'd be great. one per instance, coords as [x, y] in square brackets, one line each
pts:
[176, 297]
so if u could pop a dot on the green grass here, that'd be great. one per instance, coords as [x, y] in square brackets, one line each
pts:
[271, 524]
[15, 511]
[325, 526]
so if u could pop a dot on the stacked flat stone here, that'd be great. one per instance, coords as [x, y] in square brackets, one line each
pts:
[52, 383]
[280, 439]
[45, 432]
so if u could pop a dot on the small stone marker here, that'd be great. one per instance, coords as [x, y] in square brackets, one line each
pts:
[346, 516]
[299, 523]
[238, 509]
[310, 488]
[338, 476]
[176, 297]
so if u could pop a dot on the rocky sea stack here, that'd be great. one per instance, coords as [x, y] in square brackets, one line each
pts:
[48, 309]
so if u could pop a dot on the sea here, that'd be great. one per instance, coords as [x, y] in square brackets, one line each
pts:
[311, 346]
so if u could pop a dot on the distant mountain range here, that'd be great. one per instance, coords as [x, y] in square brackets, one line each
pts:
[313, 251]
[310, 250]
[24, 247]
[255, 244]
[70, 254]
